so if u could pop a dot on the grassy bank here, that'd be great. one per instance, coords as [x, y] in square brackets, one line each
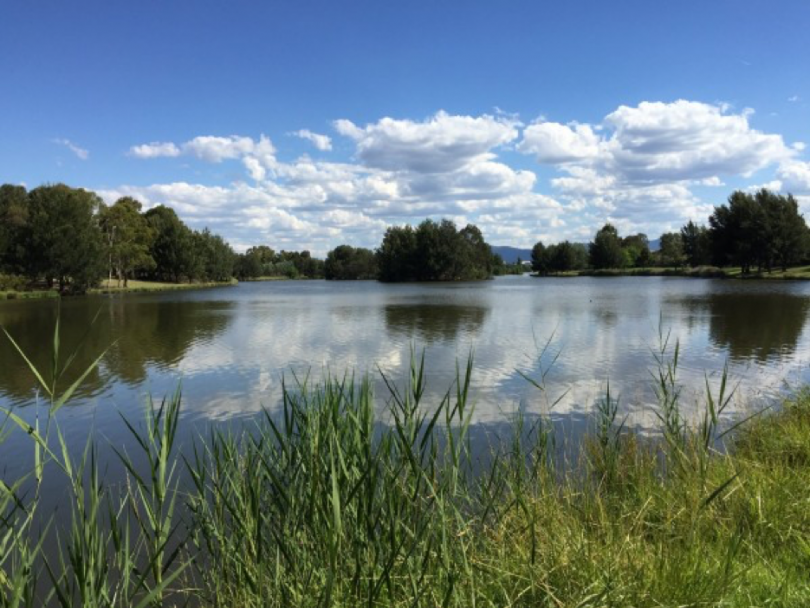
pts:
[702, 272]
[28, 295]
[274, 278]
[322, 505]
[112, 287]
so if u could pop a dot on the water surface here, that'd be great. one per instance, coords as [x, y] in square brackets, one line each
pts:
[231, 347]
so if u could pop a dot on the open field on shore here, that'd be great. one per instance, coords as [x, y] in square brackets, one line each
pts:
[144, 286]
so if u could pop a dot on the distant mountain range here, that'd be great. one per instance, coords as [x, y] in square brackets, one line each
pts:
[510, 255]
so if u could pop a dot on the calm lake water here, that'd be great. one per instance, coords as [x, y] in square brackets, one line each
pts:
[231, 347]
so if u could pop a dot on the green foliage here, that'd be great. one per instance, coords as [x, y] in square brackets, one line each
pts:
[396, 256]
[697, 245]
[61, 238]
[671, 252]
[606, 249]
[434, 252]
[500, 268]
[262, 261]
[173, 246]
[560, 257]
[214, 258]
[636, 250]
[539, 258]
[567, 256]
[303, 263]
[254, 262]
[761, 229]
[13, 220]
[347, 263]
[128, 238]
[10, 282]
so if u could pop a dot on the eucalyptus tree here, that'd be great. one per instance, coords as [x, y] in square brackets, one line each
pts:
[173, 245]
[62, 239]
[128, 239]
[13, 219]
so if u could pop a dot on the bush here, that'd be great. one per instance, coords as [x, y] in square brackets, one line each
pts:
[11, 282]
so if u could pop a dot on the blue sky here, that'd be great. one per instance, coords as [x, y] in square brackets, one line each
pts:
[307, 124]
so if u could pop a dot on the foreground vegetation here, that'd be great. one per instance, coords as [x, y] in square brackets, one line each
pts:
[328, 503]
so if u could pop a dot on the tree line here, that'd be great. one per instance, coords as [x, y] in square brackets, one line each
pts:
[67, 237]
[761, 229]
[58, 236]
[263, 261]
[433, 251]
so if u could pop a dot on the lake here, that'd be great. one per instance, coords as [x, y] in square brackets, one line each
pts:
[232, 347]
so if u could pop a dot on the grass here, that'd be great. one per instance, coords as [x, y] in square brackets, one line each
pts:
[323, 504]
[277, 278]
[28, 295]
[111, 287]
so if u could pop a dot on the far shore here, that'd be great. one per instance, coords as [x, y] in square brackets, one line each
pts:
[107, 287]
[799, 273]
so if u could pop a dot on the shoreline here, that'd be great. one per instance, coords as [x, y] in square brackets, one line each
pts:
[155, 286]
[799, 273]
[134, 287]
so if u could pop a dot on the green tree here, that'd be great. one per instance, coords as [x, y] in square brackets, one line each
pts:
[560, 257]
[785, 233]
[671, 252]
[13, 220]
[215, 258]
[737, 232]
[637, 250]
[540, 258]
[396, 255]
[434, 251]
[303, 262]
[62, 240]
[173, 246]
[696, 244]
[606, 249]
[248, 266]
[477, 255]
[349, 263]
[128, 239]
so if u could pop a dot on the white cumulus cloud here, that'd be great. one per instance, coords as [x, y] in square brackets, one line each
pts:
[636, 168]
[155, 149]
[321, 142]
[439, 144]
[640, 168]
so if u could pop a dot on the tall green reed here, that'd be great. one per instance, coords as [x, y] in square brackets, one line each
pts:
[97, 562]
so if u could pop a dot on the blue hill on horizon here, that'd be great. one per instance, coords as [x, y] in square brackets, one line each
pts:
[510, 255]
